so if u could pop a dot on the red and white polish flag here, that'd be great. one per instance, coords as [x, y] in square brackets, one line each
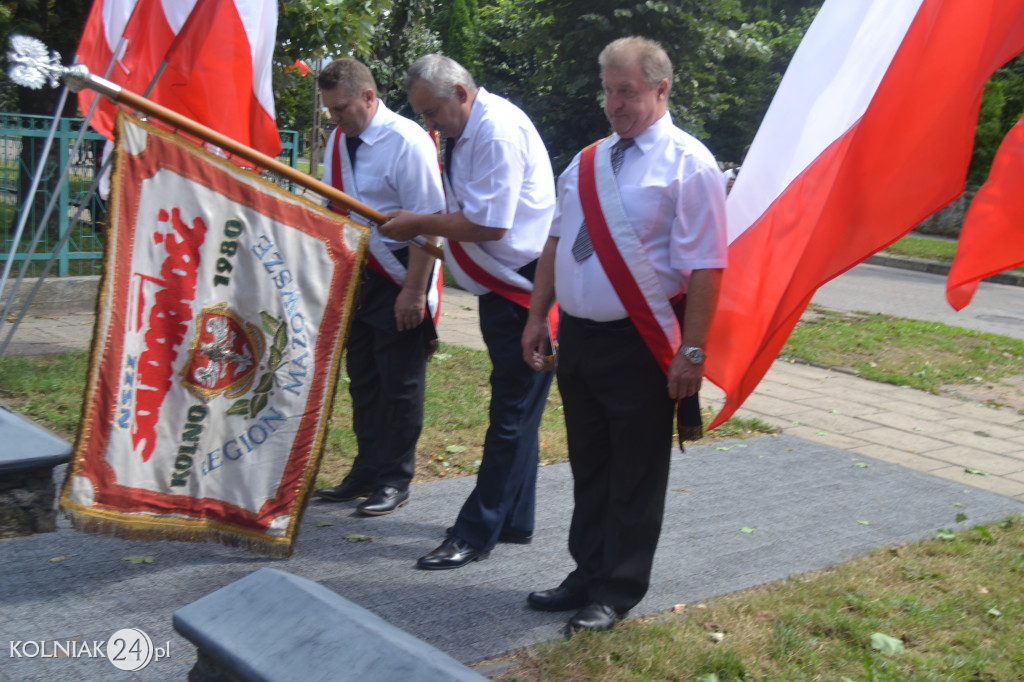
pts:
[870, 132]
[218, 62]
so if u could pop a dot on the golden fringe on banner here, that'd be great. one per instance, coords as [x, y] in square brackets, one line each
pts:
[160, 529]
[138, 526]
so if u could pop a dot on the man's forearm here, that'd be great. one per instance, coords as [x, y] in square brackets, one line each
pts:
[421, 264]
[543, 296]
[405, 225]
[701, 301]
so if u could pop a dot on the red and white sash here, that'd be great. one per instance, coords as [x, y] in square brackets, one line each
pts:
[623, 257]
[380, 258]
[479, 273]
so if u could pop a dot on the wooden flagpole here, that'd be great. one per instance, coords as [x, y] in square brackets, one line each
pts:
[78, 76]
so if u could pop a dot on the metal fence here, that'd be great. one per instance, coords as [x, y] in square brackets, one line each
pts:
[22, 138]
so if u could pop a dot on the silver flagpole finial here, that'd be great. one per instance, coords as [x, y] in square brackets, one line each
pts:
[32, 65]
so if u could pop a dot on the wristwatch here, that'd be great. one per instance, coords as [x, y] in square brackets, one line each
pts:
[693, 354]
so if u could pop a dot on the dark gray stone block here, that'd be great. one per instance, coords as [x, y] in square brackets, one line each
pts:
[28, 454]
[26, 445]
[272, 625]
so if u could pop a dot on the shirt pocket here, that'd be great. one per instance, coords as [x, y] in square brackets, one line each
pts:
[650, 209]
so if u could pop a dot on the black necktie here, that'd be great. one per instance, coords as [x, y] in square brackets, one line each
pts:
[582, 248]
[353, 144]
[449, 148]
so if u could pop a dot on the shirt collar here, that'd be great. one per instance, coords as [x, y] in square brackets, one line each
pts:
[476, 114]
[645, 140]
[375, 128]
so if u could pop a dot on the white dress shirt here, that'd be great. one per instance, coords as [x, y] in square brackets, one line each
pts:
[502, 177]
[396, 167]
[674, 195]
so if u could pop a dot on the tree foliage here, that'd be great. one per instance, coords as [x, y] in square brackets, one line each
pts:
[734, 97]
[314, 29]
[727, 55]
[458, 25]
[511, 53]
[1001, 107]
[403, 34]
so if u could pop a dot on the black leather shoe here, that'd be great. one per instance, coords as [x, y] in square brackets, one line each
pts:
[594, 616]
[384, 501]
[453, 553]
[348, 490]
[515, 537]
[558, 599]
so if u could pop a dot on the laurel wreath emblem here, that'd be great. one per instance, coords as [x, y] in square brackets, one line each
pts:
[278, 330]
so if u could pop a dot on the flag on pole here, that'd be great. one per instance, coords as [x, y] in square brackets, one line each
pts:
[211, 60]
[101, 38]
[992, 235]
[870, 132]
[221, 323]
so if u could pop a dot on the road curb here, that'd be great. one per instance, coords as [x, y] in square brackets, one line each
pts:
[934, 268]
[56, 295]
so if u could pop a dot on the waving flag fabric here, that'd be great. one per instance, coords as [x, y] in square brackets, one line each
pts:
[992, 236]
[870, 132]
[213, 58]
[221, 322]
[101, 37]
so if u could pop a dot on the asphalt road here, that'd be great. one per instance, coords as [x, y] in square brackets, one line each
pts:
[996, 308]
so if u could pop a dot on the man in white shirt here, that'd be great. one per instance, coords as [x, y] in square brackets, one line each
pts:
[501, 195]
[388, 162]
[635, 257]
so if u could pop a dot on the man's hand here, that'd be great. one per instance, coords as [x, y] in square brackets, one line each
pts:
[401, 226]
[410, 308]
[535, 343]
[684, 377]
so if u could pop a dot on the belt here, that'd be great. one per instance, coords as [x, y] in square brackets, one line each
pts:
[624, 323]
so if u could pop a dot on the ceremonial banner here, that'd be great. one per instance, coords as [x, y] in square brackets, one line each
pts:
[870, 132]
[222, 317]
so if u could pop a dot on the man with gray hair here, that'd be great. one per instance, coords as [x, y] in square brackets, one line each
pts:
[388, 162]
[635, 257]
[501, 195]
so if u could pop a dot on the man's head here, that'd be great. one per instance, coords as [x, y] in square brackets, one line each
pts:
[349, 92]
[442, 92]
[636, 75]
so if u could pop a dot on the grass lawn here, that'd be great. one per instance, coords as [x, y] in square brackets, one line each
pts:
[941, 250]
[947, 608]
[924, 355]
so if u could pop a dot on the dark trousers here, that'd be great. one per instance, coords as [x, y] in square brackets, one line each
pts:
[505, 491]
[387, 373]
[618, 418]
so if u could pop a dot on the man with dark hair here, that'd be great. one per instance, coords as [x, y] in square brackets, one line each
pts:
[501, 195]
[635, 257]
[388, 162]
